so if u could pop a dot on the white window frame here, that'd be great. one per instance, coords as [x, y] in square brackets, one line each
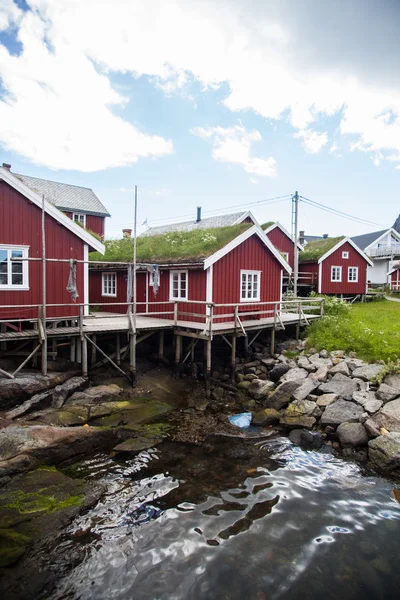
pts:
[105, 276]
[285, 256]
[345, 254]
[80, 218]
[348, 275]
[171, 285]
[334, 280]
[246, 274]
[25, 268]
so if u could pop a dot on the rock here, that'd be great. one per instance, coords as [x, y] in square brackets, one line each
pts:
[341, 411]
[282, 358]
[354, 363]
[387, 392]
[340, 367]
[303, 362]
[368, 401]
[282, 395]
[307, 386]
[300, 407]
[389, 416]
[244, 385]
[341, 385]
[25, 386]
[260, 389]
[367, 372]
[352, 434]
[393, 380]
[316, 360]
[337, 354]
[324, 354]
[278, 371]
[326, 400]
[372, 406]
[95, 395]
[295, 374]
[218, 394]
[384, 452]
[299, 421]
[306, 439]
[268, 416]
[371, 428]
[37, 402]
[250, 376]
[321, 374]
[268, 362]
[136, 445]
[64, 391]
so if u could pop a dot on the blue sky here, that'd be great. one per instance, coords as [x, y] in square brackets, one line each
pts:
[208, 105]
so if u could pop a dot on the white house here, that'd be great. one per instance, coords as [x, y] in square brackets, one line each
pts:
[383, 248]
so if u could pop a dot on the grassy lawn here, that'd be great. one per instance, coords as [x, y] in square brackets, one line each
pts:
[371, 329]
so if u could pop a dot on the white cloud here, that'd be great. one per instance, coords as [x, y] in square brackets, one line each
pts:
[9, 14]
[313, 141]
[233, 145]
[268, 64]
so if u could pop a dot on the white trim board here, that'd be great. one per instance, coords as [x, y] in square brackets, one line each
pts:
[281, 227]
[255, 230]
[51, 210]
[339, 245]
[243, 217]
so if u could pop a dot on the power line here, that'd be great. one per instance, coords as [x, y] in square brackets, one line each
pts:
[339, 212]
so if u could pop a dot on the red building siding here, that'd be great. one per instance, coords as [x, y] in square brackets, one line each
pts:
[93, 223]
[308, 275]
[21, 224]
[251, 255]
[282, 243]
[344, 287]
[395, 280]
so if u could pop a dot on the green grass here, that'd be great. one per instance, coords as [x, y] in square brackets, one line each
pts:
[174, 246]
[371, 329]
[314, 250]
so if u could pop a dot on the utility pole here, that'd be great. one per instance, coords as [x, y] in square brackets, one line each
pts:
[295, 211]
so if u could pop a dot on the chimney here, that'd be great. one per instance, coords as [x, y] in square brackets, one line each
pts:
[325, 235]
[126, 233]
[198, 214]
[302, 238]
[7, 166]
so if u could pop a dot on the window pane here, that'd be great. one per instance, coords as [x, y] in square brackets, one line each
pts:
[3, 279]
[3, 266]
[16, 279]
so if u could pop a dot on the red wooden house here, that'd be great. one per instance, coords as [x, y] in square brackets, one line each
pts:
[394, 277]
[282, 241]
[79, 203]
[21, 238]
[231, 265]
[336, 265]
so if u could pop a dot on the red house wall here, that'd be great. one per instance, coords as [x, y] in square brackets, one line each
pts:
[395, 280]
[308, 274]
[251, 255]
[21, 224]
[344, 287]
[196, 291]
[282, 243]
[93, 223]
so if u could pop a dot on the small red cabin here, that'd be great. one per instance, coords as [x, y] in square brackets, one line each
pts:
[245, 271]
[282, 241]
[334, 266]
[394, 278]
[21, 238]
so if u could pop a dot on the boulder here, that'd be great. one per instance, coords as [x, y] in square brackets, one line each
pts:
[321, 374]
[341, 411]
[299, 421]
[282, 395]
[389, 416]
[95, 395]
[64, 391]
[326, 400]
[303, 362]
[37, 402]
[324, 354]
[307, 439]
[295, 374]
[387, 392]
[300, 407]
[268, 416]
[341, 385]
[306, 387]
[268, 362]
[24, 386]
[354, 363]
[136, 445]
[352, 434]
[384, 452]
[316, 360]
[259, 389]
[372, 428]
[340, 367]
[393, 380]
[278, 371]
[368, 401]
[367, 372]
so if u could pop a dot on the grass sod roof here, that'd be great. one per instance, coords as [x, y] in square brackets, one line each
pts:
[266, 225]
[314, 250]
[176, 246]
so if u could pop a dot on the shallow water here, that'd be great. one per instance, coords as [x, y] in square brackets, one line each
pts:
[176, 523]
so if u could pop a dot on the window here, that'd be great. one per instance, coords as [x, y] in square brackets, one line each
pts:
[80, 218]
[13, 272]
[178, 285]
[285, 256]
[345, 255]
[109, 284]
[336, 273]
[353, 274]
[250, 286]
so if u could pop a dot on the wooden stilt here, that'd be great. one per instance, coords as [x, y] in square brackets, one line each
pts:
[72, 355]
[178, 354]
[83, 345]
[161, 346]
[54, 343]
[233, 358]
[3, 344]
[132, 354]
[93, 358]
[208, 367]
[118, 349]
[192, 347]
[246, 345]
[273, 340]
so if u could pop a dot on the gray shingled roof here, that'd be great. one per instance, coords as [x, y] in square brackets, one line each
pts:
[208, 223]
[65, 196]
[364, 240]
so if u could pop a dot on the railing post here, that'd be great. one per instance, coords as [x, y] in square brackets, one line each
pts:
[322, 308]
[83, 343]
[273, 330]
[298, 322]
[175, 313]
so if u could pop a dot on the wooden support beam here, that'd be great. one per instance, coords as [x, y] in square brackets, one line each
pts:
[246, 346]
[8, 375]
[192, 347]
[178, 354]
[197, 336]
[84, 356]
[107, 357]
[273, 341]
[233, 358]
[93, 358]
[208, 367]
[132, 357]
[118, 349]
[226, 340]
[32, 354]
[144, 337]
[72, 354]
[161, 346]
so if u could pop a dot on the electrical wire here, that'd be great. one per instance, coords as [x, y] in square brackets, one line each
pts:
[339, 212]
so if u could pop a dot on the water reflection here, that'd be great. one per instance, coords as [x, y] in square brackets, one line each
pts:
[177, 524]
